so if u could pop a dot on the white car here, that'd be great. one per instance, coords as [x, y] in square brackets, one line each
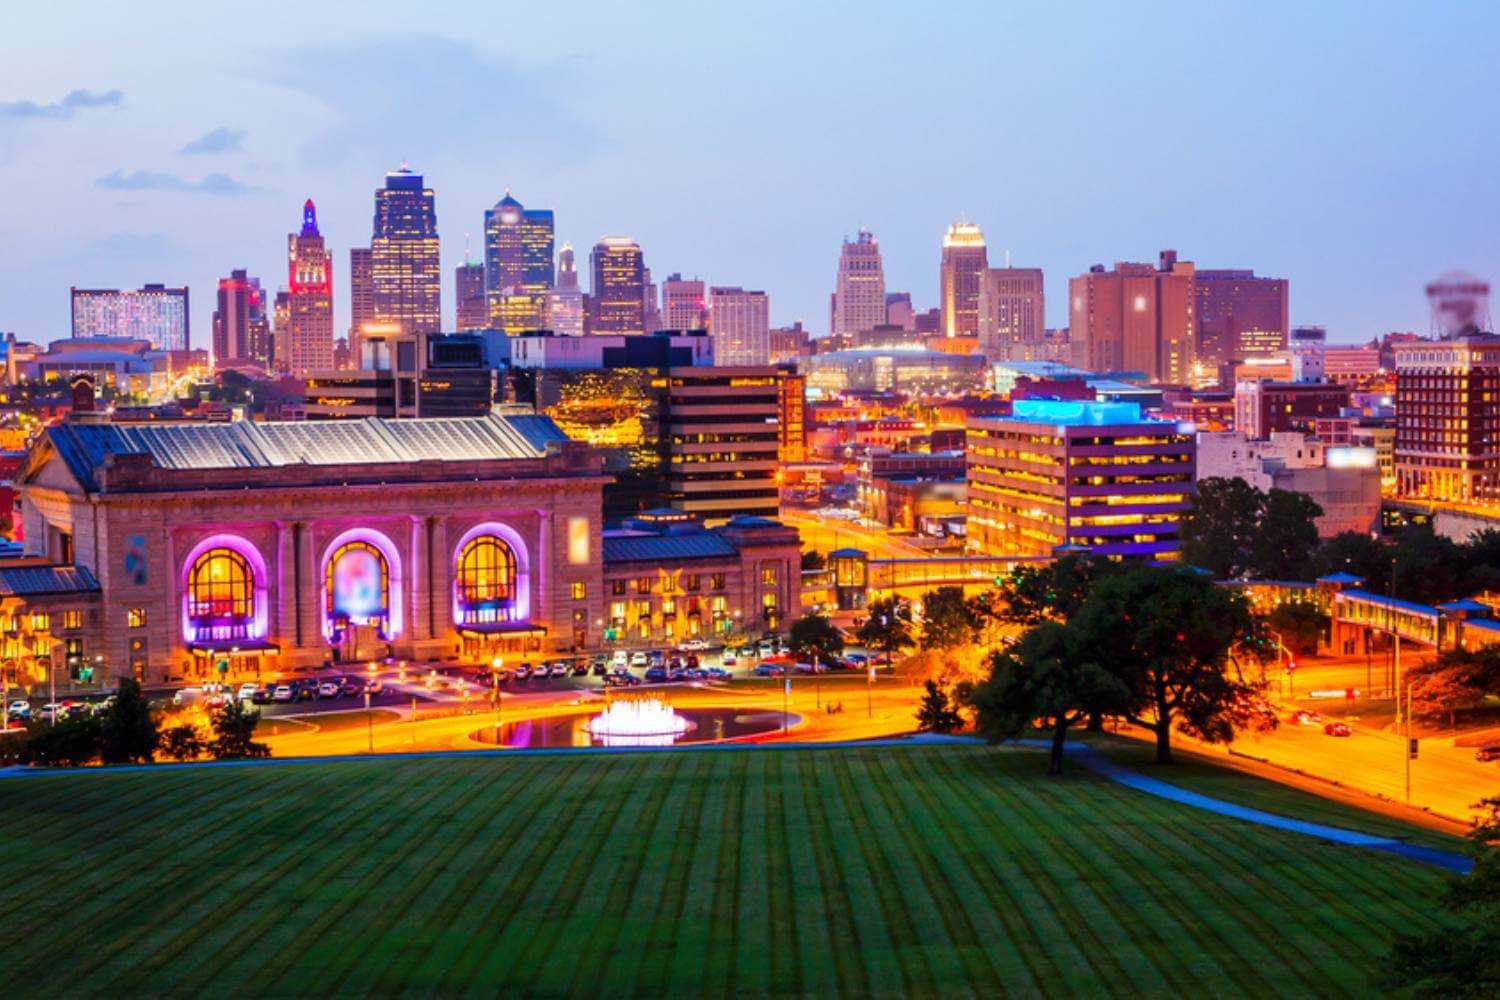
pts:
[247, 690]
[558, 670]
[639, 659]
[283, 692]
[20, 709]
[728, 658]
[621, 658]
[694, 645]
[329, 689]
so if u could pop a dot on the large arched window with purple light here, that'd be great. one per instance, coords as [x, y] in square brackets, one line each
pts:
[357, 585]
[489, 577]
[223, 593]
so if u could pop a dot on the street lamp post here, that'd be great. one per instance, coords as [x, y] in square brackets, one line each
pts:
[495, 675]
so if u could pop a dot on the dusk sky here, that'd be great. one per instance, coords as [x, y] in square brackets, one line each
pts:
[1352, 148]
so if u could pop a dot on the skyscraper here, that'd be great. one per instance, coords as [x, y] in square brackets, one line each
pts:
[1239, 316]
[564, 313]
[309, 340]
[739, 322]
[518, 247]
[1135, 318]
[361, 292]
[473, 304]
[963, 263]
[650, 308]
[152, 312]
[242, 330]
[1012, 317]
[683, 304]
[859, 292]
[405, 273]
[619, 287]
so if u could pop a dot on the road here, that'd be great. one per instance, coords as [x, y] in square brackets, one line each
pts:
[826, 534]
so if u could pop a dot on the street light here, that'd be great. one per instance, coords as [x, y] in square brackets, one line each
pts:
[495, 693]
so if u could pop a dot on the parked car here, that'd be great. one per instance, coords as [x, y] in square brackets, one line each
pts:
[696, 644]
[728, 658]
[20, 709]
[620, 659]
[639, 659]
[1303, 717]
[656, 675]
[811, 668]
[1489, 753]
[715, 673]
[353, 686]
[247, 690]
[769, 669]
[261, 695]
[1337, 729]
[330, 689]
[765, 647]
[600, 667]
[283, 692]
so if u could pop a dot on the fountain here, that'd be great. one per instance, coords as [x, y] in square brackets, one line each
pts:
[638, 722]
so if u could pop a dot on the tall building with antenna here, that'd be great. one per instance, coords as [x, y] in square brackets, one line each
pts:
[963, 265]
[309, 340]
[859, 291]
[406, 275]
[518, 248]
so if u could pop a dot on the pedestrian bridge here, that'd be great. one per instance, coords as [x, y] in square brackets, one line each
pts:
[852, 579]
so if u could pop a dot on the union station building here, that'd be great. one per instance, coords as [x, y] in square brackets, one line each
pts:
[166, 550]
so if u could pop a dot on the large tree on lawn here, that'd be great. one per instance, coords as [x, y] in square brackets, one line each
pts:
[813, 637]
[887, 626]
[1052, 591]
[1283, 547]
[1220, 525]
[1168, 633]
[1053, 677]
[949, 619]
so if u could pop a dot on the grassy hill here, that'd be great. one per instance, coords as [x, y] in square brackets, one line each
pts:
[933, 870]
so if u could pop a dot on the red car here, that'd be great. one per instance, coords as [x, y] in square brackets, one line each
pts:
[1491, 752]
[1337, 729]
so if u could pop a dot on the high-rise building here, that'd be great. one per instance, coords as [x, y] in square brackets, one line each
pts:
[963, 265]
[618, 302]
[518, 250]
[1012, 313]
[361, 292]
[473, 303]
[1064, 472]
[281, 324]
[651, 304]
[684, 305]
[405, 273]
[789, 343]
[1239, 316]
[1448, 419]
[899, 311]
[1136, 318]
[859, 291]
[740, 323]
[242, 329]
[565, 308]
[310, 284]
[153, 312]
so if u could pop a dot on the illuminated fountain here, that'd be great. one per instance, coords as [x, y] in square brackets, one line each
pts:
[638, 722]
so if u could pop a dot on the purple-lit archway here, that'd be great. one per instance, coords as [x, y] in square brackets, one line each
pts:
[512, 598]
[224, 596]
[361, 583]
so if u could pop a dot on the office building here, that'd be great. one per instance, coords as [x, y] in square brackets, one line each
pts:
[309, 339]
[859, 291]
[684, 304]
[566, 312]
[1448, 419]
[1344, 480]
[960, 274]
[651, 305]
[1308, 347]
[788, 343]
[740, 323]
[899, 311]
[155, 313]
[1136, 318]
[405, 375]
[518, 252]
[1012, 313]
[1239, 316]
[242, 327]
[361, 292]
[406, 275]
[1099, 475]
[906, 370]
[618, 300]
[1261, 407]
[473, 302]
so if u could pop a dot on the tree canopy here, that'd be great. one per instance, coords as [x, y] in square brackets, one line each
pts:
[949, 619]
[887, 626]
[813, 636]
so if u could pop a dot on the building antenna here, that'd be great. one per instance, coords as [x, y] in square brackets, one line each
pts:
[1007, 259]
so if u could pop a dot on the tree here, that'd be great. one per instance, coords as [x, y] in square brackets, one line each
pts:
[1051, 591]
[1459, 962]
[182, 743]
[1356, 553]
[1481, 555]
[815, 637]
[1282, 547]
[1053, 676]
[813, 559]
[129, 732]
[887, 627]
[1429, 568]
[1299, 623]
[73, 742]
[1457, 679]
[234, 733]
[1167, 632]
[936, 714]
[1220, 525]
[949, 619]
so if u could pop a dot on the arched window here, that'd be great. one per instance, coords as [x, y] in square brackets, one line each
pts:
[486, 580]
[357, 584]
[221, 594]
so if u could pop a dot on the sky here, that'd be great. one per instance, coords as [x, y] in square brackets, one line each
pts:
[1349, 147]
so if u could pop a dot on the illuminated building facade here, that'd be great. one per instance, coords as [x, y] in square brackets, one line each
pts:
[684, 304]
[473, 303]
[791, 424]
[405, 375]
[565, 311]
[1448, 419]
[309, 339]
[1239, 316]
[242, 328]
[361, 292]
[618, 302]
[406, 277]
[740, 323]
[1012, 313]
[518, 270]
[153, 312]
[896, 369]
[960, 275]
[1341, 479]
[1093, 474]
[1261, 407]
[859, 291]
[1136, 318]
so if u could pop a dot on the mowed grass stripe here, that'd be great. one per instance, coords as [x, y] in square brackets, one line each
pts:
[755, 947]
[837, 894]
[808, 905]
[692, 932]
[717, 970]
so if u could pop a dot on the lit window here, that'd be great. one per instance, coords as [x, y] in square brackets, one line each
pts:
[768, 576]
[486, 580]
[41, 622]
[135, 618]
[716, 581]
[72, 619]
[580, 590]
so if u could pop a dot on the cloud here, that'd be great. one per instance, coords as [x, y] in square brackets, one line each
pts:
[221, 140]
[218, 185]
[71, 103]
[440, 91]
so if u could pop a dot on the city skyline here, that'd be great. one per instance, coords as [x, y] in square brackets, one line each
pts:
[250, 142]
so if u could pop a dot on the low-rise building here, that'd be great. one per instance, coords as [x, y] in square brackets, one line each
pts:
[1342, 479]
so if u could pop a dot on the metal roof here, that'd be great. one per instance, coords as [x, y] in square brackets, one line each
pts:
[636, 547]
[244, 444]
[31, 581]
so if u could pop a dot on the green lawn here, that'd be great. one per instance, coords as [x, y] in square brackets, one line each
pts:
[930, 871]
